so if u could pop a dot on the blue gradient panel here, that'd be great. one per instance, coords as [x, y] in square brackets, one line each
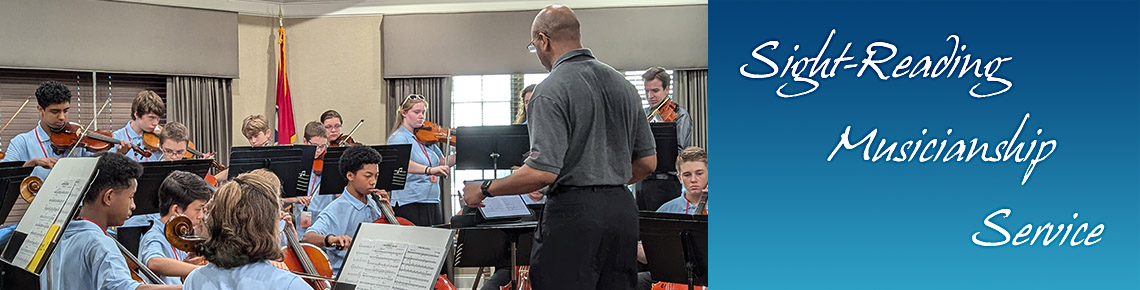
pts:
[791, 219]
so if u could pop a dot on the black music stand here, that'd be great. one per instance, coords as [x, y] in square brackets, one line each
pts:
[665, 136]
[494, 244]
[10, 179]
[11, 164]
[393, 168]
[291, 163]
[489, 147]
[676, 247]
[146, 194]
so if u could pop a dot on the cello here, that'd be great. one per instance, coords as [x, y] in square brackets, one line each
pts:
[307, 259]
[139, 273]
[388, 216]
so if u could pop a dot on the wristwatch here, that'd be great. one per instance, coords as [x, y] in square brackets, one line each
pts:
[485, 186]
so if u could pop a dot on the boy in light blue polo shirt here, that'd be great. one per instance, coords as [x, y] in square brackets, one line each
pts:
[146, 110]
[53, 102]
[336, 225]
[85, 257]
[181, 194]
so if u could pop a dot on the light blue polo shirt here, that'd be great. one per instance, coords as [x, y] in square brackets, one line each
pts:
[128, 134]
[155, 245]
[87, 259]
[418, 188]
[341, 218]
[256, 275]
[36, 144]
[679, 205]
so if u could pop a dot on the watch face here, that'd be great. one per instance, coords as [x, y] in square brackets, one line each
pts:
[486, 184]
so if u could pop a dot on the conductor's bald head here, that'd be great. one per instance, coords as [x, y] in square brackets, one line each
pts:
[555, 31]
[557, 22]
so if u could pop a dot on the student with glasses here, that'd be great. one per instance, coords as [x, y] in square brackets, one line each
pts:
[315, 134]
[333, 124]
[419, 200]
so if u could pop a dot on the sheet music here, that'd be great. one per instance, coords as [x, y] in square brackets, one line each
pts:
[49, 212]
[395, 257]
[504, 206]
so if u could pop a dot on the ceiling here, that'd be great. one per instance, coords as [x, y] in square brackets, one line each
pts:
[314, 8]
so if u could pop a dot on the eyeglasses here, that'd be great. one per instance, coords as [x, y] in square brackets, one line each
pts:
[530, 46]
[330, 127]
[413, 97]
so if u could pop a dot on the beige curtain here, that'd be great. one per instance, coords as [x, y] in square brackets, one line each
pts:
[437, 91]
[692, 93]
[205, 106]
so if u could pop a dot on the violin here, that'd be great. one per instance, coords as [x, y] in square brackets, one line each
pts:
[97, 140]
[307, 259]
[343, 140]
[346, 139]
[666, 111]
[431, 133]
[388, 216]
[179, 232]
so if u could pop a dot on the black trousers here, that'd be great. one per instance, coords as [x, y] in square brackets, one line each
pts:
[653, 192]
[586, 239]
[421, 214]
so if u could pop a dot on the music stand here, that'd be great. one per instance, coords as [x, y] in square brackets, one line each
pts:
[393, 168]
[10, 179]
[665, 136]
[489, 147]
[676, 247]
[11, 164]
[146, 193]
[291, 163]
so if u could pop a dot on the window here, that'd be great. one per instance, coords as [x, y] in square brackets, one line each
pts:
[634, 77]
[18, 85]
[480, 100]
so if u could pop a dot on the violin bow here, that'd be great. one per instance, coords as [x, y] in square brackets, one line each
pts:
[16, 113]
[656, 111]
[84, 128]
[345, 140]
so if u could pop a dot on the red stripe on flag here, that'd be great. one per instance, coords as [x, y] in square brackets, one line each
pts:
[286, 133]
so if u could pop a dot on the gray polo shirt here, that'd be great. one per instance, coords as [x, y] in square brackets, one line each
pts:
[586, 123]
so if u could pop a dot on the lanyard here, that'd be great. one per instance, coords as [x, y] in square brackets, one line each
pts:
[42, 146]
[424, 148]
[93, 222]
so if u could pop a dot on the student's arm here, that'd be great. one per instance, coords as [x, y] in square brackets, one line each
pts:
[170, 267]
[319, 240]
[321, 228]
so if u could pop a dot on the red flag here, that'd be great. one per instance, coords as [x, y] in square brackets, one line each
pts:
[286, 134]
